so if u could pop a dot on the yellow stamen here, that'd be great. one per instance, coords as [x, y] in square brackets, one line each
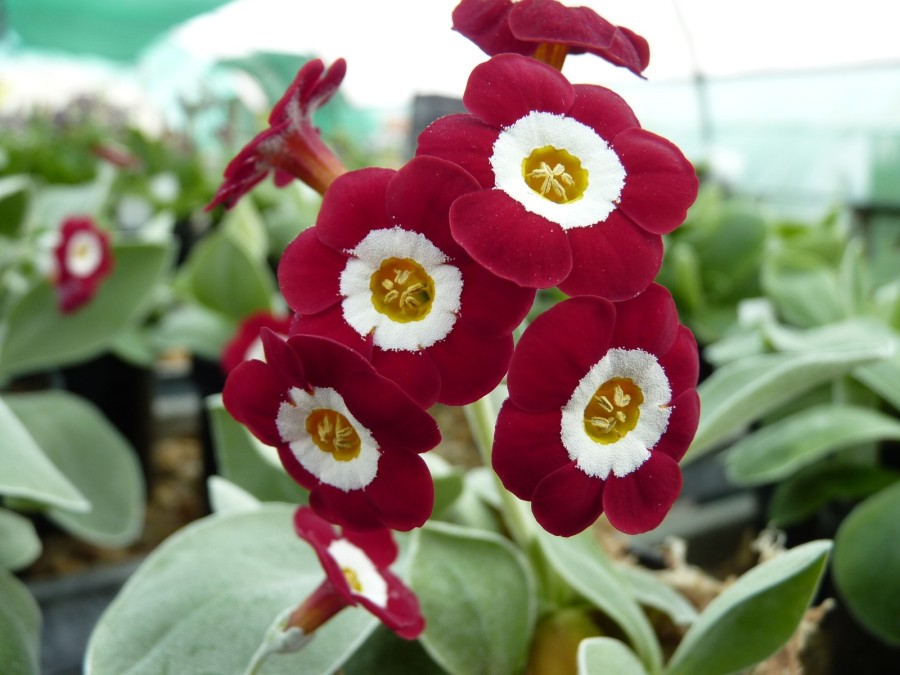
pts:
[333, 433]
[402, 289]
[613, 410]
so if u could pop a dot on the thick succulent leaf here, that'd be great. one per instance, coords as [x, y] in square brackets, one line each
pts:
[602, 656]
[754, 616]
[20, 626]
[866, 561]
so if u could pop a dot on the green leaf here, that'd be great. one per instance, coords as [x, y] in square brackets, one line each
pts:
[883, 378]
[38, 336]
[98, 460]
[585, 567]
[247, 462]
[225, 496]
[754, 616]
[201, 331]
[203, 600]
[649, 591]
[19, 543]
[605, 656]
[448, 482]
[866, 560]
[805, 291]
[779, 449]
[15, 192]
[801, 495]
[245, 227]
[20, 626]
[742, 391]
[27, 472]
[223, 275]
[478, 598]
[384, 653]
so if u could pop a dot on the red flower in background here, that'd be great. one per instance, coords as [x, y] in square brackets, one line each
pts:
[381, 273]
[575, 193]
[548, 30]
[357, 572]
[291, 146]
[83, 260]
[602, 405]
[247, 343]
[342, 431]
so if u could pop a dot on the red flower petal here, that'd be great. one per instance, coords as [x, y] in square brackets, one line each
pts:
[353, 207]
[420, 195]
[552, 22]
[510, 86]
[526, 448]
[312, 528]
[247, 334]
[331, 324]
[295, 470]
[509, 241]
[557, 350]
[351, 510]
[682, 362]
[470, 366]
[402, 614]
[486, 23]
[648, 321]
[614, 259]
[328, 363]
[602, 110]
[379, 545]
[414, 373]
[568, 501]
[463, 140]
[628, 49]
[639, 501]
[283, 361]
[492, 306]
[252, 395]
[682, 425]
[660, 183]
[394, 419]
[402, 493]
[309, 273]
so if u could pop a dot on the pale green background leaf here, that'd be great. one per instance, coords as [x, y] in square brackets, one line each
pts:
[754, 616]
[581, 562]
[605, 656]
[38, 336]
[26, 472]
[19, 543]
[781, 448]
[478, 598]
[649, 591]
[740, 392]
[95, 457]
[20, 626]
[202, 602]
[867, 563]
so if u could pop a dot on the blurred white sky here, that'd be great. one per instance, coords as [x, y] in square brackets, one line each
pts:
[396, 48]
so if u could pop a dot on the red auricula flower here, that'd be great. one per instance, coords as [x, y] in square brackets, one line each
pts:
[247, 343]
[291, 146]
[83, 260]
[357, 572]
[342, 431]
[548, 30]
[575, 193]
[602, 405]
[381, 273]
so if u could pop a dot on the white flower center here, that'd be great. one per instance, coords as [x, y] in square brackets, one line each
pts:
[398, 289]
[364, 578]
[605, 175]
[328, 467]
[84, 253]
[633, 449]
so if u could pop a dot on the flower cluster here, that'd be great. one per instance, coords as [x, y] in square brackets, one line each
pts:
[409, 287]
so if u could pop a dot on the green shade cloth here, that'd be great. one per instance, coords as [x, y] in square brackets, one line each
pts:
[115, 29]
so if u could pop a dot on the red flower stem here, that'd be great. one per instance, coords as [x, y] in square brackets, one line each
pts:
[311, 161]
[318, 608]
